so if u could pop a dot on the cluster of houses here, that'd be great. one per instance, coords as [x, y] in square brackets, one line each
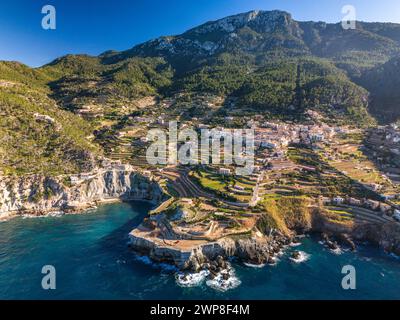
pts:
[384, 144]
[272, 140]
[364, 203]
[277, 136]
[222, 171]
[388, 138]
[392, 133]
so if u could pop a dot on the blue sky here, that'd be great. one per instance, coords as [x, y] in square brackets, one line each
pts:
[94, 26]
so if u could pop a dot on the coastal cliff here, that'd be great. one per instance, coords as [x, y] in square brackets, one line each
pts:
[192, 255]
[385, 235]
[258, 240]
[160, 236]
[40, 195]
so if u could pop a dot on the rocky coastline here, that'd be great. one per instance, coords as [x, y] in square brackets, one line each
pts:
[255, 248]
[40, 196]
[383, 235]
[155, 238]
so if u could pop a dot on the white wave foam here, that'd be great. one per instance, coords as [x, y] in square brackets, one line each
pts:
[303, 256]
[254, 265]
[54, 214]
[191, 279]
[336, 251]
[275, 260]
[220, 284]
[295, 244]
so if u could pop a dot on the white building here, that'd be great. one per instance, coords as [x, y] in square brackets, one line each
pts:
[354, 202]
[338, 200]
[225, 171]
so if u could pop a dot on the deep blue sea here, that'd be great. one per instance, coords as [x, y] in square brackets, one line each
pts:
[93, 261]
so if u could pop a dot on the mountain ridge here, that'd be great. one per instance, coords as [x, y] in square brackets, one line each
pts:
[222, 56]
[265, 61]
[230, 24]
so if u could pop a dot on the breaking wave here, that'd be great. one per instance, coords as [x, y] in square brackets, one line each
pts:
[191, 279]
[221, 284]
[223, 281]
[303, 256]
[251, 265]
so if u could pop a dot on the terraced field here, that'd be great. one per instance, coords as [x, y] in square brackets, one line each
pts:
[360, 215]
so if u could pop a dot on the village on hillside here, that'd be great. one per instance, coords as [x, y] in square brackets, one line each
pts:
[350, 173]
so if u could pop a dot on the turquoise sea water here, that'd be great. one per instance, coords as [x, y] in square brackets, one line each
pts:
[92, 261]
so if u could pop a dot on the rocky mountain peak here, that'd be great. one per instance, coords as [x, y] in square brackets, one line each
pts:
[263, 20]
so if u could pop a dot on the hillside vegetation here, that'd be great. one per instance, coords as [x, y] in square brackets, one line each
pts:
[285, 214]
[262, 62]
[270, 63]
[36, 135]
[383, 82]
